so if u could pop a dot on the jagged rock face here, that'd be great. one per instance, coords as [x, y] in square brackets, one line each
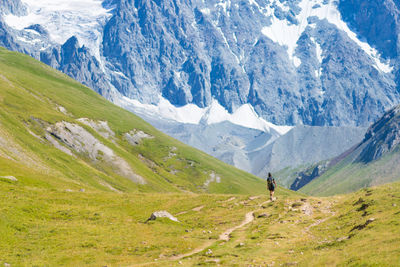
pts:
[197, 51]
[195, 55]
[308, 175]
[368, 17]
[383, 137]
[78, 63]
[13, 7]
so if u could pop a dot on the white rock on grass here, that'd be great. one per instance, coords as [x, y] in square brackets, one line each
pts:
[101, 127]
[11, 178]
[134, 137]
[62, 110]
[162, 214]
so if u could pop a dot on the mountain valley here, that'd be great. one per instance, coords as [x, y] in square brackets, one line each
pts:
[79, 184]
[138, 133]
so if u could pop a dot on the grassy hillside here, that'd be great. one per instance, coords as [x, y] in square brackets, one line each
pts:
[348, 177]
[57, 133]
[79, 176]
[374, 161]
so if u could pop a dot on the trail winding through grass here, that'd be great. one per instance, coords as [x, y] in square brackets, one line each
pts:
[225, 236]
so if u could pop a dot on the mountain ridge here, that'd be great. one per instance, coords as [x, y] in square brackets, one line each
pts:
[200, 52]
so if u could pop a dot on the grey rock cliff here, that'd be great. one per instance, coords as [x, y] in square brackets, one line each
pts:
[382, 137]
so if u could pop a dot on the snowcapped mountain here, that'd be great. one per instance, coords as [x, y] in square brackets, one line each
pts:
[62, 20]
[228, 70]
[292, 62]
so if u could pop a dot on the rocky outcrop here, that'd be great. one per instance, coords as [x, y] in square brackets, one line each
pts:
[101, 127]
[77, 139]
[308, 175]
[10, 178]
[134, 137]
[381, 138]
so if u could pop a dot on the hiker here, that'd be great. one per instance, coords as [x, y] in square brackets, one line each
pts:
[271, 186]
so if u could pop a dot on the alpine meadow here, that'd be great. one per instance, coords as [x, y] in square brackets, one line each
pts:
[199, 133]
[65, 201]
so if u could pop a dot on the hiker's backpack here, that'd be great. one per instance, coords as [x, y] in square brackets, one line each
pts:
[269, 181]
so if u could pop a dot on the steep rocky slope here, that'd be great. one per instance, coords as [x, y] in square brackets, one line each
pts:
[376, 160]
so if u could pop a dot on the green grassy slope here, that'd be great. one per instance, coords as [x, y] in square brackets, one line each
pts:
[76, 210]
[49, 227]
[348, 177]
[34, 97]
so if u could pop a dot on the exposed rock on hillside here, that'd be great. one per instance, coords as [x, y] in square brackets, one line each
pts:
[134, 137]
[101, 127]
[11, 178]
[82, 142]
[382, 137]
[308, 175]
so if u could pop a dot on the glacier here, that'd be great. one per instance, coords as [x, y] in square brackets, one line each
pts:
[84, 19]
[287, 34]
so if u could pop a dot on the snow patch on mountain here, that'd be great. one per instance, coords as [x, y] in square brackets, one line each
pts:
[332, 14]
[64, 19]
[287, 34]
[191, 114]
[318, 50]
